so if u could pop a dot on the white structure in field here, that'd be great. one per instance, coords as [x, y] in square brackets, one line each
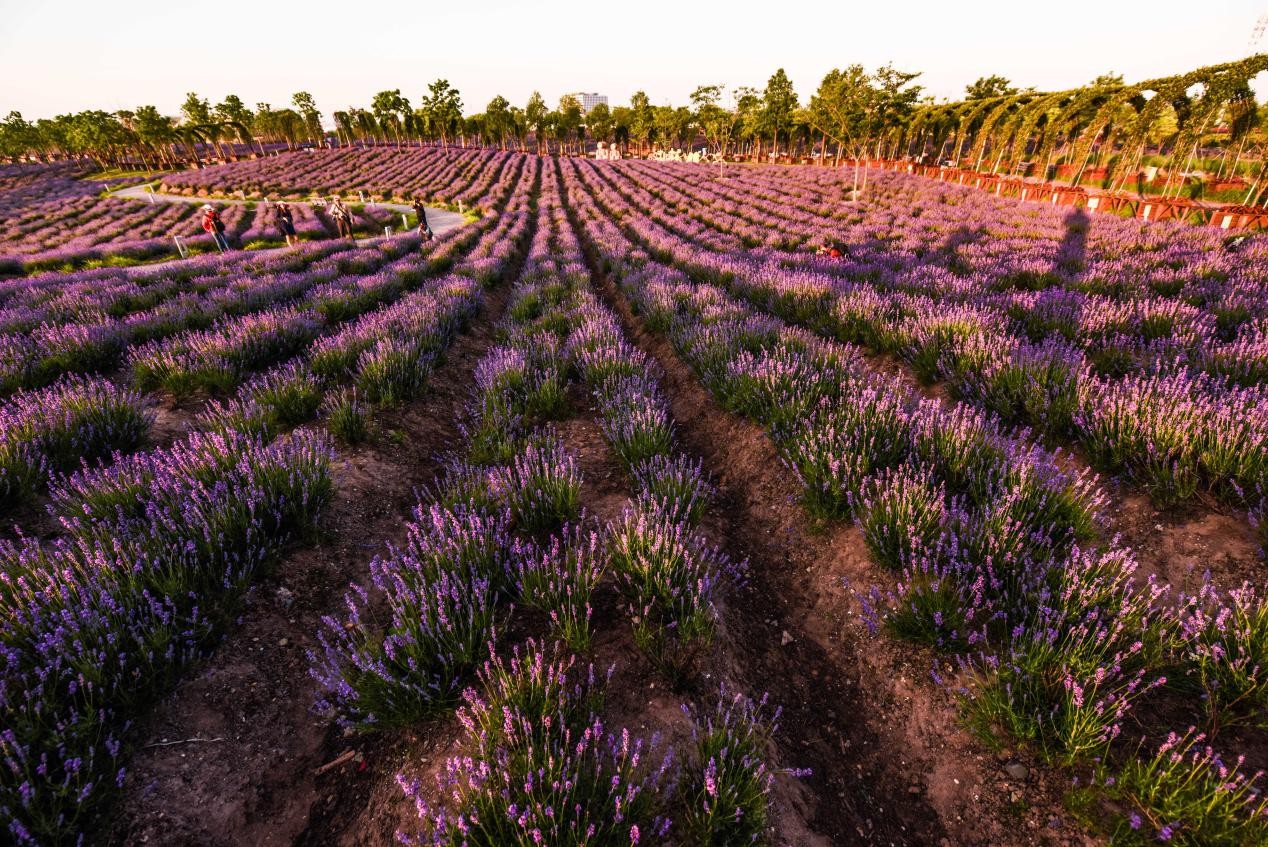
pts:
[588, 100]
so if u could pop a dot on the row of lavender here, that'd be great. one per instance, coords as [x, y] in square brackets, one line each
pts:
[157, 548]
[123, 231]
[186, 583]
[1191, 298]
[1203, 306]
[53, 429]
[537, 762]
[1172, 427]
[443, 175]
[902, 222]
[987, 539]
[1212, 296]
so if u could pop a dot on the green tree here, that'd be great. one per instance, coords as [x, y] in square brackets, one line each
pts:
[19, 138]
[642, 119]
[390, 111]
[519, 127]
[1108, 80]
[196, 110]
[748, 112]
[622, 118]
[857, 109]
[599, 122]
[307, 108]
[443, 105]
[987, 87]
[233, 119]
[498, 121]
[779, 104]
[569, 120]
[714, 120]
[155, 131]
[673, 126]
[535, 112]
[233, 109]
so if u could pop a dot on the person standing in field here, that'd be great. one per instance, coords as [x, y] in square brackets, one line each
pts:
[214, 226]
[343, 218]
[421, 211]
[286, 223]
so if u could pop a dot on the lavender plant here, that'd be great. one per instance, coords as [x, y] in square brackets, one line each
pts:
[76, 420]
[538, 768]
[437, 628]
[346, 417]
[1187, 794]
[155, 551]
[541, 486]
[673, 486]
[1070, 673]
[668, 574]
[1225, 653]
[559, 577]
[393, 371]
[904, 515]
[727, 787]
[636, 422]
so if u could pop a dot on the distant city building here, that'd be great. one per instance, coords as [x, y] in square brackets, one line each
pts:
[588, 100]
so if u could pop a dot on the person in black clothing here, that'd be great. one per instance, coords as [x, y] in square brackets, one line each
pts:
[421, 211]
[286, 223]
[1234, 242]
[342, 218]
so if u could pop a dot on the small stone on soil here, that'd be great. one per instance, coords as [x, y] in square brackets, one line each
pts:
[1016, 770]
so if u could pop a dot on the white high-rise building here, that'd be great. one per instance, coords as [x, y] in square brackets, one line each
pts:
[588, 100]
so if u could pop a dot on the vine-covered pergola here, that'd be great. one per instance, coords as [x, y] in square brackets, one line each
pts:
[1105, 123]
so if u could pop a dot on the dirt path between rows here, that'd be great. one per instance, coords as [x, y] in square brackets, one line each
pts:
[251, 779]
[892, 763]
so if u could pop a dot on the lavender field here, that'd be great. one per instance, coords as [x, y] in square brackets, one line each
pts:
[626, 513]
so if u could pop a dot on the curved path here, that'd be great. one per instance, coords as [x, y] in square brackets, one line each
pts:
[440, 220]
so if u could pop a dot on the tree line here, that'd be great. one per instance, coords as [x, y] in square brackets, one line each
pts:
[736, 121]
[854, 114]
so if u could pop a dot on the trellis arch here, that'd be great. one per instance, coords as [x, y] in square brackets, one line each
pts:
[1078, 117]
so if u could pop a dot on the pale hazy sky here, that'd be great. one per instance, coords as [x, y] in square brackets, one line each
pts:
[63, 56]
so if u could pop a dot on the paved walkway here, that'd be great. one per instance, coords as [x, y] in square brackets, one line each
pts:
[440, 220]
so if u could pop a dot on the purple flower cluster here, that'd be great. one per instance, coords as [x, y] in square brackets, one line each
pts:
[55, 429]
[1187, 794]
[155, 550]
[539, 767]
[728, 784]
[285, 396]
[441, 591]
[668, 573]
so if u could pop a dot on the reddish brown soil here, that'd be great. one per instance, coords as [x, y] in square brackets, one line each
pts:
[368, 807]
[251, 781]
[892, 763]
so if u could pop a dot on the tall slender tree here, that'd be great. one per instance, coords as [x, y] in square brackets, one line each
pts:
[779, 106]
[307, 108]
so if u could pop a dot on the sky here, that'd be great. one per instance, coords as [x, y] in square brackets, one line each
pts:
[65, 56]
